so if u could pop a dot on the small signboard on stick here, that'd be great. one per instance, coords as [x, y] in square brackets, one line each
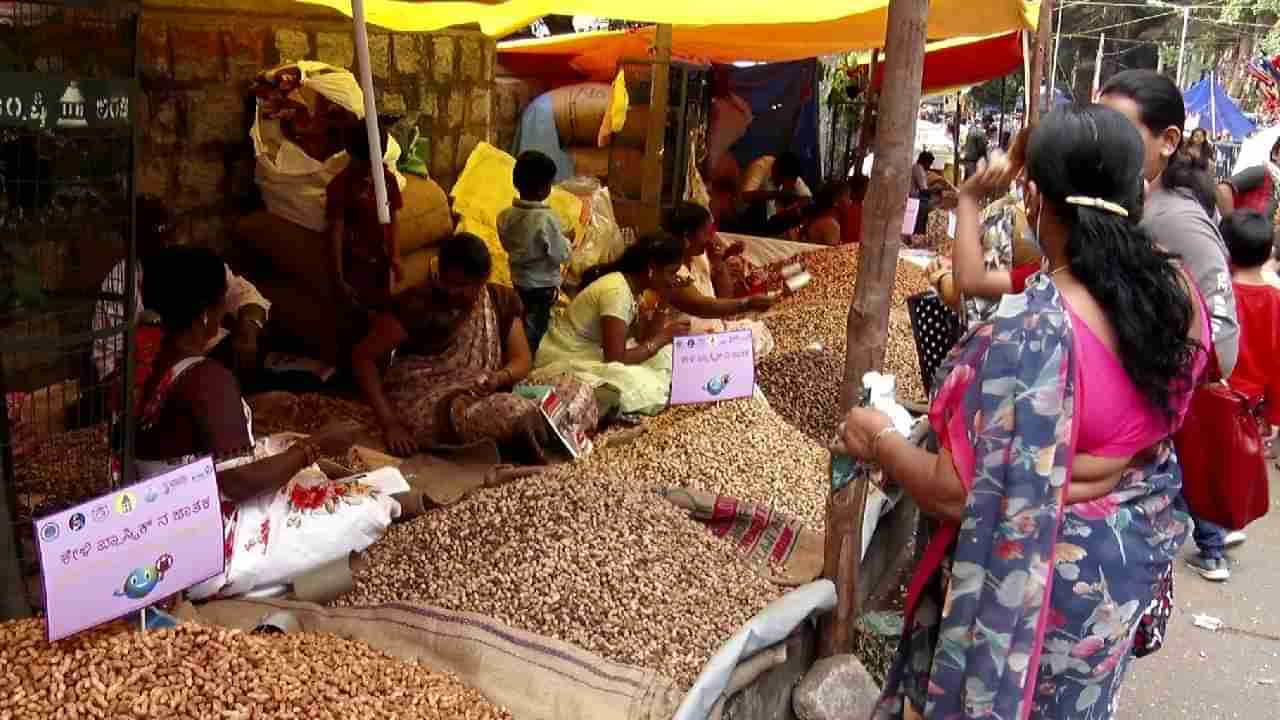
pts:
[126, 550]
[713, 367]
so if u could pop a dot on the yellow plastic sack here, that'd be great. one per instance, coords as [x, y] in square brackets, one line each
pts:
[485, 189]
[615, 118]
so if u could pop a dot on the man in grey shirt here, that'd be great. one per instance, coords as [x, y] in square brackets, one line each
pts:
[1180, 224]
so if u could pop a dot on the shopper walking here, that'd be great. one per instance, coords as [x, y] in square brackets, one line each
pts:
[1176, 216]
[1027, 600]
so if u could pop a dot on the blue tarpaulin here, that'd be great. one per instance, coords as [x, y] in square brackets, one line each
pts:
[784, 100]
[1209, 107]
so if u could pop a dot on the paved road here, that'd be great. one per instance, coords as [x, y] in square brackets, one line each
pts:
[1224, 675]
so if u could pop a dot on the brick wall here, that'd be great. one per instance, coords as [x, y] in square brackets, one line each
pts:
[197, 59]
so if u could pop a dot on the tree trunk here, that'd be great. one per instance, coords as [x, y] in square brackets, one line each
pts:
[868, 323]
[886, 202]
[1044, 37]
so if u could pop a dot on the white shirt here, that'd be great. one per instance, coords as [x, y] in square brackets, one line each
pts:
[109, 352]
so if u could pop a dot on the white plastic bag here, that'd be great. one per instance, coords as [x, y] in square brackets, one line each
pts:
[292, 182]
[602, 240]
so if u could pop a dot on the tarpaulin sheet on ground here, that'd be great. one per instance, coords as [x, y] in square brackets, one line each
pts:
[819, 27]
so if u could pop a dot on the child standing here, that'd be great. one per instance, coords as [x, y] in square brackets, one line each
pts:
[364, 255]
[535, 244]
[1249, 236]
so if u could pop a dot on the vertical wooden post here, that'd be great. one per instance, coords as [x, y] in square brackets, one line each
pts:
[1044, 35]
[868, 323]
[655, 142]
[887, 196]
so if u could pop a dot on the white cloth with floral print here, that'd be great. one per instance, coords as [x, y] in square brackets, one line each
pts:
[274, 537]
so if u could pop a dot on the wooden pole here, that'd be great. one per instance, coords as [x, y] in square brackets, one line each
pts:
[655, 142]
[956, 176]
[887, 196]
[868, 322]
[1097, 68]
[1044, 35]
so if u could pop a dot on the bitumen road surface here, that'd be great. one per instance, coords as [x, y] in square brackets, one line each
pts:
[1231, 674]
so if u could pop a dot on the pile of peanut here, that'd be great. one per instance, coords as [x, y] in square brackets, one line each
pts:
[199, 672]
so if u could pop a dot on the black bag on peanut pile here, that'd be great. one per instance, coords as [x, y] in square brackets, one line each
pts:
[936, 328]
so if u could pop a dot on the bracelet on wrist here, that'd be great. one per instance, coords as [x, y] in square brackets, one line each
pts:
[875, 442]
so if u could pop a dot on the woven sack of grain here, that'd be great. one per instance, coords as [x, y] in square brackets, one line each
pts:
[292, 181]
[579, 110]
[535, 677]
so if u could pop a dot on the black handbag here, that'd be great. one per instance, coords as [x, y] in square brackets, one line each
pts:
[936, 329]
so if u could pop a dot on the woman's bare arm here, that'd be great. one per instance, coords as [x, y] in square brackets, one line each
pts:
[385, 335]
[614, 336]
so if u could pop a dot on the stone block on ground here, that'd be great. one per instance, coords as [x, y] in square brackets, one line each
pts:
[835, 688]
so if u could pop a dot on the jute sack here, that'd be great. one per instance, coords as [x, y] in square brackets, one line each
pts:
[536, 678]
[579, 110]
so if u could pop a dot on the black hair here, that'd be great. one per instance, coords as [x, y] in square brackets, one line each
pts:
[1096, 152]
[533, 175]
[357, 141]
[659, 248]
[1160, 106]
[685, 219]
[1249, 236]
[467, 254]
[925, 158]
[182, 284]
[826, 197]
[858, 185]
[1275, 147]
[788, 165]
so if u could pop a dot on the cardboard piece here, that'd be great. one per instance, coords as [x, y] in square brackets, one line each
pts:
[712, 367]
[123, 551]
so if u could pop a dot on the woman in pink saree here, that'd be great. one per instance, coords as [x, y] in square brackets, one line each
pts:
[1030, 594]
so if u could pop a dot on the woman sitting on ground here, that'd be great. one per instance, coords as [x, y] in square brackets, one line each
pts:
[707, 280]
[192, 407]
[600, 338]
[1027, 600]
[459, 346]
[830, 208]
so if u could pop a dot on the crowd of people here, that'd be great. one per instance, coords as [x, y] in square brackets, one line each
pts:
[1100, 275]
[1102, 283]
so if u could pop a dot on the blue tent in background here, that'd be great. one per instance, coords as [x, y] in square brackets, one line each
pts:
[1209, 107]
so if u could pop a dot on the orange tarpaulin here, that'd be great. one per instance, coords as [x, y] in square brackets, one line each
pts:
[957, 64]
[596, 54]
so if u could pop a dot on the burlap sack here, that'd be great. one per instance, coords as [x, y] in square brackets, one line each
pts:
[536, 678]
[579, 110]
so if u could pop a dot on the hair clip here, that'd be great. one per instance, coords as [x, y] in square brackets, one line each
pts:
[1098, 203]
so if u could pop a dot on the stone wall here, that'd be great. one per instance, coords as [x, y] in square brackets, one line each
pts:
[198, 58]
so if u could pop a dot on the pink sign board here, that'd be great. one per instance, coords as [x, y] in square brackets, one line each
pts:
[129, 549]
[714, 367]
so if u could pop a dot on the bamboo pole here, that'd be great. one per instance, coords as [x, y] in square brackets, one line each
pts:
[1044, 35]
[655, 142]
[868, 322]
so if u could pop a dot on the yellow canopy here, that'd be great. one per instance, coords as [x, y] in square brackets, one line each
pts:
[822, 25]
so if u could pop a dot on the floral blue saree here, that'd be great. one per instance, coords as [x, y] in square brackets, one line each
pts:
[1028, 607]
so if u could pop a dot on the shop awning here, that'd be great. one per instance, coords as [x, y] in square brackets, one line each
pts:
[816, 27]
[959, 63]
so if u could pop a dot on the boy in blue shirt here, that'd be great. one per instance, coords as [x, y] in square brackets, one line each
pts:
[535, 244]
